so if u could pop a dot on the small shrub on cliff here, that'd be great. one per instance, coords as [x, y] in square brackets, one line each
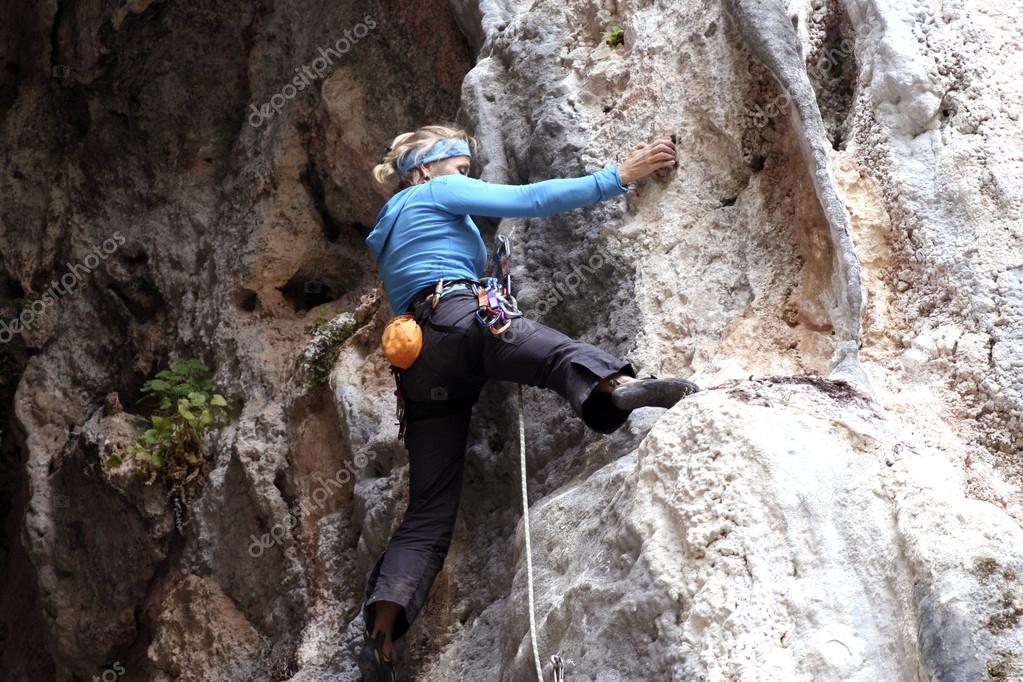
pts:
[172, 448]
[614, 37]
[321, 353]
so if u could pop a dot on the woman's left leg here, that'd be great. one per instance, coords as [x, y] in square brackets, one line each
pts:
[532, 353]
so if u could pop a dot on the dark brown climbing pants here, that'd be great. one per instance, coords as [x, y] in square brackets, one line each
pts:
[440, 388]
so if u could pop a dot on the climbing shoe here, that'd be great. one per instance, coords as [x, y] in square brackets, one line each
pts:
[374, 665]
[650, 392]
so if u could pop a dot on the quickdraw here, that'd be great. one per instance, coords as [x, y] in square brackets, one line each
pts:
[497, 305]
[559, 668]
[502, 256]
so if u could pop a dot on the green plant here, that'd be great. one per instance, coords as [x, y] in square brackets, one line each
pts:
[317, 325]
[172, 447]
[614, 37]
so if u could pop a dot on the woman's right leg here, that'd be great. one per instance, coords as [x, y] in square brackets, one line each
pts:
[440, 390]
[400, 581]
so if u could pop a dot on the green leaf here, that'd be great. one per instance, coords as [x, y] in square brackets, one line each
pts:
[218, 400]
[184, 411]
[181, 368]
[157, 460]
[615, 36]
[156, 385]
[114, 460]
[202, 385]
[197, 399]
[147, 396]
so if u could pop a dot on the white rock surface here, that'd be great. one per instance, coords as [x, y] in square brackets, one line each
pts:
[775, 531]
[793, 536]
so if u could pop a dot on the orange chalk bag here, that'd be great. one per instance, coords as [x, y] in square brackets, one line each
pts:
[402, 341]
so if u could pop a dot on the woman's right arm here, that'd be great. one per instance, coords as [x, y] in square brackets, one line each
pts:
[463, 195]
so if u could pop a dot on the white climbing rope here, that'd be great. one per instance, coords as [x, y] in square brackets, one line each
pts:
[559, 670]
[529, 551]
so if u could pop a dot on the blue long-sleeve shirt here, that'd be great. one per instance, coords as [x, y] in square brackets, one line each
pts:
[429, 234]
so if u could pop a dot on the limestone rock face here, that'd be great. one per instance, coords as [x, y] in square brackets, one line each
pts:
[777, 529]
[837, 260]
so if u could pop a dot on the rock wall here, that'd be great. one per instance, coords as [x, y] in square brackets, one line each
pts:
[836, 260]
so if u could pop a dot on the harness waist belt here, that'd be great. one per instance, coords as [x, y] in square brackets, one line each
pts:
[454, 285]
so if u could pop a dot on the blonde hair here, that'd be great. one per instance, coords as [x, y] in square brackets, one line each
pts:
[386, 172]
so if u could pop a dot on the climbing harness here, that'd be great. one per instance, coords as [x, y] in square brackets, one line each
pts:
[496, 310]
[441, 288]
[497, 305]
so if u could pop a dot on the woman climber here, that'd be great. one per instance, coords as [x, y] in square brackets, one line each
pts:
[424, 234]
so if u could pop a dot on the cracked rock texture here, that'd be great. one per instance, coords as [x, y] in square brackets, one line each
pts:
[837, 260]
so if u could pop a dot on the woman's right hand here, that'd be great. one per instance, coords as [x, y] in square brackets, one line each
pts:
[645, 158]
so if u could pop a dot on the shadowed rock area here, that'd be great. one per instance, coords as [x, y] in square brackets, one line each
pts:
[836, 260]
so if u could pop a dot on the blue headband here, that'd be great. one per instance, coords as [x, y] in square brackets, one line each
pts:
[442, 149]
